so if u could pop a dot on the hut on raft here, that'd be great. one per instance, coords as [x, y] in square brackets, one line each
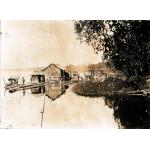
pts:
[56, 74]
[51, 74]
[52, 91]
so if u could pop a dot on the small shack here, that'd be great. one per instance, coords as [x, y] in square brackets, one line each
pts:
[38, 77]
[54, 73]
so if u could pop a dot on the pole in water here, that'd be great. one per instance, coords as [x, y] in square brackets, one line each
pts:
[42, 112]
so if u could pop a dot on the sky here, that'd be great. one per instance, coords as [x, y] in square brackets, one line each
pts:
[27, 44]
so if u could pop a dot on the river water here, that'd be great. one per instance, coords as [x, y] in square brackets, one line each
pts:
[56, 106]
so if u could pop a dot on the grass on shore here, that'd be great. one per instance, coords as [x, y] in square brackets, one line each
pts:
[97, 88]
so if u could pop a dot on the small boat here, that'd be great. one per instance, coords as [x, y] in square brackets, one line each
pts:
[12, 82]
[7, 84]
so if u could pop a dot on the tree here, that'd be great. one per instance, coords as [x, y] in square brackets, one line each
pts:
[125, 44]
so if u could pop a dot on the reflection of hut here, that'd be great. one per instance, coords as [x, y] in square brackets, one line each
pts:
[37, 77]
[38, 90]
[54, 91]
[54, 73]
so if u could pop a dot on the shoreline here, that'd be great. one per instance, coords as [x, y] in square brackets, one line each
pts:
[96, 89]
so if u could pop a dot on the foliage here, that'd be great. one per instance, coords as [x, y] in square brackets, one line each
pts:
[136, 82]
[126, 44]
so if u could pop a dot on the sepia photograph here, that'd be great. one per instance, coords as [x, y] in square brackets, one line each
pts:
[75, 74]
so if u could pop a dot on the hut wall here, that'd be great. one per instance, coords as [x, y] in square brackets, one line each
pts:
[53, 71]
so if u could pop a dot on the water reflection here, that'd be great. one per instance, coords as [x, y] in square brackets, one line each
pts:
[24, 92]
[52, 91]
[130, 112]
[38, 90]
[68, 111]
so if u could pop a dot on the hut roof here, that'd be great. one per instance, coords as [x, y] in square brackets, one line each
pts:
[50, 66]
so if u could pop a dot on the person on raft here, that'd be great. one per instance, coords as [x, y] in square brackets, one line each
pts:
[23, 80]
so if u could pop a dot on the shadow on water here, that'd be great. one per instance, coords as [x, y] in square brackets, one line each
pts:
[130, 112]
[52, 91]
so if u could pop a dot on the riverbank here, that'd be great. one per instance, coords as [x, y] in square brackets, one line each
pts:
[107, 87]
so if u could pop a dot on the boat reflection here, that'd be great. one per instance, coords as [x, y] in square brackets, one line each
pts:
[52, 91]
[130, 112]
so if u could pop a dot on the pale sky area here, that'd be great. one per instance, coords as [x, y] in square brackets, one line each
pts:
[27, 44]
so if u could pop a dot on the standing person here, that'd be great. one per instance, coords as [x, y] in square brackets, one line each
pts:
[23, 80]
[16, 81]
